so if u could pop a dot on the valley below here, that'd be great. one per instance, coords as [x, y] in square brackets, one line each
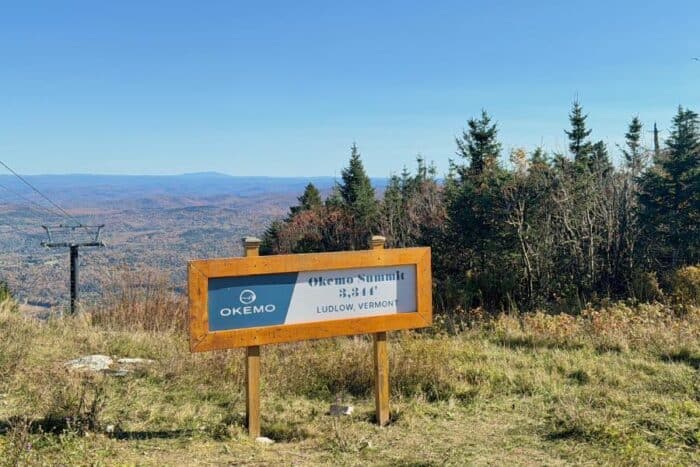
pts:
[154, 223]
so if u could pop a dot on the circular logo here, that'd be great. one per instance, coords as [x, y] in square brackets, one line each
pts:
[247, 297]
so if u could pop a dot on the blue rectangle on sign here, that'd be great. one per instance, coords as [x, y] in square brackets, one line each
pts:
[249, 301]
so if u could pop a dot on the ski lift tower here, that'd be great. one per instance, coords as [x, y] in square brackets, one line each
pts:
[73, 237]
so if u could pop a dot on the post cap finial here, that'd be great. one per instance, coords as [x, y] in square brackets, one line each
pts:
[377, 241]
[251, 241]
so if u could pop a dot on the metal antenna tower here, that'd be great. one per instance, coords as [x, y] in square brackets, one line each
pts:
[90, 236]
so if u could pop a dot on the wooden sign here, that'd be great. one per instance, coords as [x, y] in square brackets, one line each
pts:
[239, 302]
[256, 300]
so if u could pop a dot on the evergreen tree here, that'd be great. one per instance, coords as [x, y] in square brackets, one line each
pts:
[310, 199]
[274, 240]
[479, 145]
[358, 199]
[579, 144]
[411, 207]
[423, 171]
[633, 151]
[407, 182]
[670, 195]
[628, 217]
[270, 244]
[683, 145]
[356, 187]
[393, 210]
[334, 199]
[538, 158]
[479, 241]
[600, 161]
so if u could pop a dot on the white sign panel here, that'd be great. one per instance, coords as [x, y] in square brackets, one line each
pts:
[303, 297]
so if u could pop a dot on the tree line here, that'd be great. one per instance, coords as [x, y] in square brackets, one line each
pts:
[546, 230]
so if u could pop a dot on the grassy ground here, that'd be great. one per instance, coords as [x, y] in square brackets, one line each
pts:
[618, 386]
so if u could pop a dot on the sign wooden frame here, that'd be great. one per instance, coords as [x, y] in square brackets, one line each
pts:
[200, 271]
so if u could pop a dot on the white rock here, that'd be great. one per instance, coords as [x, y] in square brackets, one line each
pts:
[91, 363]
[338, 410]
[109, 428]
[264, 440]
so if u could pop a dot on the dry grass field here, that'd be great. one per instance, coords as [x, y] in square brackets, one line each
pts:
[620, 385]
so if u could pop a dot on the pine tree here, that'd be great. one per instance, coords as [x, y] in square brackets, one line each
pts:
[670, 196]
[423, 171]
[406, 182]
[393, 211]
[600, 161]
[476, 240]
[479, 145]
[538, 158]
[628, 226]
[358, 198]
[270, 244]
[334, 199]
[579, 144]
[310, 199]
[683, 145]
[356, 187]
[633, 152]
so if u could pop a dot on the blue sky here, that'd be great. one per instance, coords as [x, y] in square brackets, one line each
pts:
[284, 88]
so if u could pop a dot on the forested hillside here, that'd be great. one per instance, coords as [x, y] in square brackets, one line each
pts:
[543, 230]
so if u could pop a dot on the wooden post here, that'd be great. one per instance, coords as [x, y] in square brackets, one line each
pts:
[251, 245]
[381, 361]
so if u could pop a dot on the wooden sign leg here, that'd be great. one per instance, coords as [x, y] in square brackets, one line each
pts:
[252, 372]
[251, 246]
[381, 378]
[381, 360]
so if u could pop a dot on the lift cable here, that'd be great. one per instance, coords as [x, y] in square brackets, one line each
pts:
[30, 201]
[65, 213]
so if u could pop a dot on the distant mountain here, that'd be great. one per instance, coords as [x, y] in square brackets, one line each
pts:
[157, 222]
[95, 189]
[205, 174]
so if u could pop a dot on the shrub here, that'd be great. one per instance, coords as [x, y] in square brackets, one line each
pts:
[324, 368]
[4, 292]
[16, 331]
[618, 326]
[425, 367]
[140, 300]
[72, 402]
[686, 286]
[344, 367]
[645, 286]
